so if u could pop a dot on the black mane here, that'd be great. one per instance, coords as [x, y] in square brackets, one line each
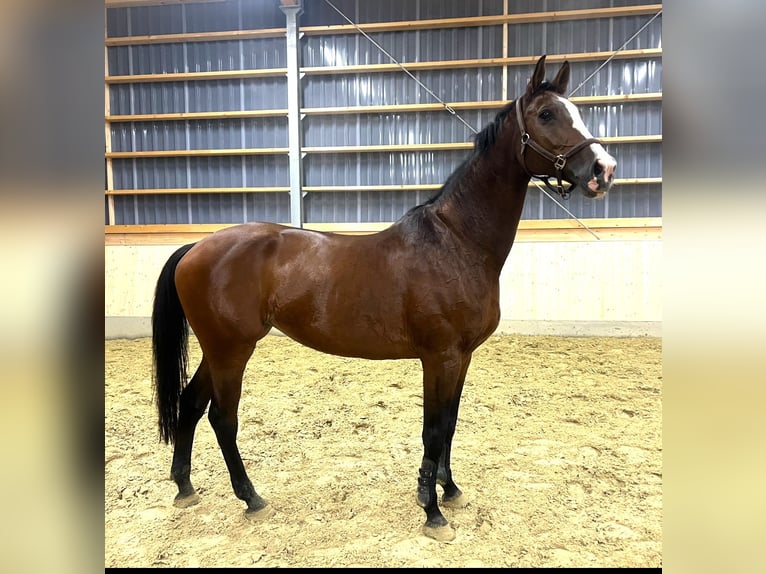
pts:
[486, 138]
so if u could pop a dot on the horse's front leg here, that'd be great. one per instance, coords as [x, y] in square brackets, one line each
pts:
[441, 389]
[453, 496]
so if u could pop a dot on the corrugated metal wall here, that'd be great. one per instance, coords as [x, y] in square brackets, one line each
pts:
[619, 76]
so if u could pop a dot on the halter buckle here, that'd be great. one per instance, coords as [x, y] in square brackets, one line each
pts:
[558, 189]
[560, 162]
[524, 138]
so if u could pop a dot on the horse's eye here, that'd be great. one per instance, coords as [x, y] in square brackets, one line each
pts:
[545, 115]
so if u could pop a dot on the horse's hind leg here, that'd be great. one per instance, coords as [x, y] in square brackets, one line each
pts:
[194, 400]
[227, 389]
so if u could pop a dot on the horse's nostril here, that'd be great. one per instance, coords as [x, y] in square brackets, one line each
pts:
[597, 169]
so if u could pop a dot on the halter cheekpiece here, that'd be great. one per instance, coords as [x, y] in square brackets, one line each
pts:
[559, 161]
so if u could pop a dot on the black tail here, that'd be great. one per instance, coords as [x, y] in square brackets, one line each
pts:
[170, 334]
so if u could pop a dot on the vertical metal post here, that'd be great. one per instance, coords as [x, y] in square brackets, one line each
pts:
[504, 93]
[108, 136]
[292, 11]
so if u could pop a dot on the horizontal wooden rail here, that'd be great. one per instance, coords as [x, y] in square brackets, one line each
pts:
[480, 63]
[529, 230]
[439, 146]
[197, 190]
[381, 68]
[383, 109]
[496, 20]
[197, 76]
[327, 188]
[383, 148]
[486, 105]
[228, 35]
[192, 116]
[436, 186]
[129, 3]
[447, 146]
[195, 152]
[377, 27]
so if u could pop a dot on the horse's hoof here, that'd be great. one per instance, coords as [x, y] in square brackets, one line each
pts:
[439, 533]
[181, 501]
[259, 514]
[459, 501]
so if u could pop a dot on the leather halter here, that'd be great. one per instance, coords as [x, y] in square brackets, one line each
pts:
[559, 161]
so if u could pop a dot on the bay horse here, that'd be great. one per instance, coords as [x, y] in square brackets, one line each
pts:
[427, 288]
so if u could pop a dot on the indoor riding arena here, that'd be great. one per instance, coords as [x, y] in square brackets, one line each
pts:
[422, 283]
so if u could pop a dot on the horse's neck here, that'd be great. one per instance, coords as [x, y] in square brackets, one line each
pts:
[485, 203]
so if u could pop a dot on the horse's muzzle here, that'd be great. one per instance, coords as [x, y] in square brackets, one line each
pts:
[601, 177]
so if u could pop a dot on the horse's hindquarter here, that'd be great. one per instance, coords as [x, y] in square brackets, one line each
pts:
[223, 284]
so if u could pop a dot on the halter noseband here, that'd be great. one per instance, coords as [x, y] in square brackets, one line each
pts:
[559, 161]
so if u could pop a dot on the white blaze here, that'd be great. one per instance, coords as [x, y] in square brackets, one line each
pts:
[607, 162]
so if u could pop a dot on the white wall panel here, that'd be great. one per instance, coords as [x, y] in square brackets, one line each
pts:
[546, 287]
[583, 281]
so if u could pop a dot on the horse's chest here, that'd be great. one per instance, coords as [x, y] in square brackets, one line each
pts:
[466, 303]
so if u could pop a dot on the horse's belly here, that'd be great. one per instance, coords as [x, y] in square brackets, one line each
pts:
[347, 341]
[346, 325]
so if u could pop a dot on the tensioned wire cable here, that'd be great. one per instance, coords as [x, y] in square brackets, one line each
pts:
[452, 111]
[405, 70]
[617, 51]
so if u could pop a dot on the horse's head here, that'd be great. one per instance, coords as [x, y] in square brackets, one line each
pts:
[555, 141]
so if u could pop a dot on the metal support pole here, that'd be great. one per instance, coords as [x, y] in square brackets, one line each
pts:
[294, 131]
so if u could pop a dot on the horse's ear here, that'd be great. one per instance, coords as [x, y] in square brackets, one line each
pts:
[537, 76]
[562, 79]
